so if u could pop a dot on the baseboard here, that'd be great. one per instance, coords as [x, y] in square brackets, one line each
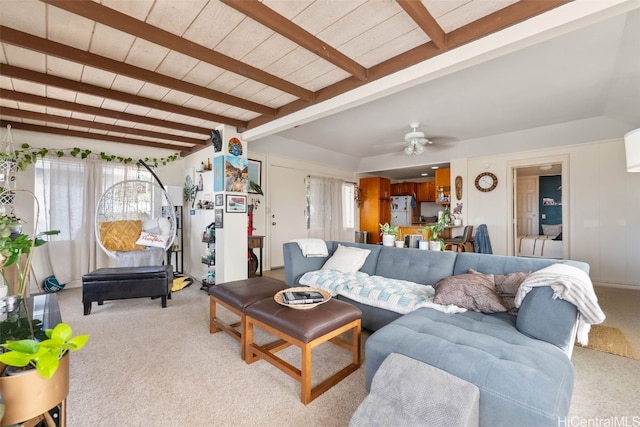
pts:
[617, 286]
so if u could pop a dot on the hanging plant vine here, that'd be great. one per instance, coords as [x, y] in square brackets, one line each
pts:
[28, 155]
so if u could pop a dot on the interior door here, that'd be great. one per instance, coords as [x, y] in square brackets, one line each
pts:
[288, 200]
[527, 205]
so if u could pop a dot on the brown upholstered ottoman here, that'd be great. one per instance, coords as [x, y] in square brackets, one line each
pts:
[305, 329]
[236, 296]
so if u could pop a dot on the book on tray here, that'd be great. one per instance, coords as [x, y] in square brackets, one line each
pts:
[302, 297]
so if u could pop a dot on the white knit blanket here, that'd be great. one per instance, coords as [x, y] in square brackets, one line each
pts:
[312, 247]
[396, 295]
[572, 285]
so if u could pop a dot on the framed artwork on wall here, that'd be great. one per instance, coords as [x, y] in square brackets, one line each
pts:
[219, 201]
[235, 178]
[218, 173]
[254, 170]
[218, 215]
[236, 203]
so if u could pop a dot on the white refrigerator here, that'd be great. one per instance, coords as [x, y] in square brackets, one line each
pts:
[401, 210]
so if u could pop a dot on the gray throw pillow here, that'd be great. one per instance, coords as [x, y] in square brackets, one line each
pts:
[471, 291]
[506, 286]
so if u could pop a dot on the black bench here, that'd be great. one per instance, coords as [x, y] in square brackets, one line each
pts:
[126, 282]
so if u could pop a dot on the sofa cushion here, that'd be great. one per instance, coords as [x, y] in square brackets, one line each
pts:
[415, 265]
[500, 264]
[471, 291]
[347, 259]
[522, 381]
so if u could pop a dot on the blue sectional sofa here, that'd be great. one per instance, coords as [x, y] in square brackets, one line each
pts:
[521, 363]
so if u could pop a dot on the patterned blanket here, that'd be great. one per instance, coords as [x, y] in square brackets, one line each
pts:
[400, 296]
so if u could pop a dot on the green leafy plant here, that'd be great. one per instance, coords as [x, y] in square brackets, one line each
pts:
[13, 245]
[43, 355]
[435, 230]
[388, 230]
[28, 155]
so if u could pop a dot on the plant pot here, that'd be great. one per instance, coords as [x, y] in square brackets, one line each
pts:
[457, 222]
[388, 239]
[434, 245]
[27, 394]
[424, 245]
[399, 243]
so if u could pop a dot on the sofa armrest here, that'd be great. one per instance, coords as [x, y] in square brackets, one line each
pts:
[296, 264]
[547, 319]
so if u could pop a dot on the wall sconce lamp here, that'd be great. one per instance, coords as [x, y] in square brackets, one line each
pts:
[632, 149]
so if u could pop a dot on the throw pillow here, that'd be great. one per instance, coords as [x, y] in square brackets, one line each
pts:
[151, 239]
[551, 230]
[506, 286]
[121, 235]
[347, 259]
[471, 291]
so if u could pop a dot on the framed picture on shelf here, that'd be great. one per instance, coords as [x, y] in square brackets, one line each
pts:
[218, 215]
[219, 201]
[254, 170]
[236, 203]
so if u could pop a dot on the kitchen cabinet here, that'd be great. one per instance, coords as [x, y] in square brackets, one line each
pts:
[443, 179]
[426, 191]
[403, 189]
[375, 206]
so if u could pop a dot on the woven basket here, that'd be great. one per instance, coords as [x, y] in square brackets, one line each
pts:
[278, 298]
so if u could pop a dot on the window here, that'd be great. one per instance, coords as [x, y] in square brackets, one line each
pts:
[68, 191]
[348, 205]
[330, 208]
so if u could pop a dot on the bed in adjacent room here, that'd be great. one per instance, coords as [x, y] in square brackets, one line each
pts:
[546, 245]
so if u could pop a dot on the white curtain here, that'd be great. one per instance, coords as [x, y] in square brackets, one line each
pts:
[326, 197]
[69, 191]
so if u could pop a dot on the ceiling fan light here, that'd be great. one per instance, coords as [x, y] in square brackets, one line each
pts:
[419, 148]
[408, 150]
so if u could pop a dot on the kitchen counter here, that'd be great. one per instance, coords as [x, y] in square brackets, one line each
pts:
[419, 229]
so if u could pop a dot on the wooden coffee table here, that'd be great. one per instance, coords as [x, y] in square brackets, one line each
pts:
[305, 329]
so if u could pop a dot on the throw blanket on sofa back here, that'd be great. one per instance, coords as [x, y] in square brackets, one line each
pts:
[400, 296]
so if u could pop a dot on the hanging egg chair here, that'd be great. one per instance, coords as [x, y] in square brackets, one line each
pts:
[135, 223]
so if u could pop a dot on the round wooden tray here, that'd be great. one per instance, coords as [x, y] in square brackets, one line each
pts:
[278, 298]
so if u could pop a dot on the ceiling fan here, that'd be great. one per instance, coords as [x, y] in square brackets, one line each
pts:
[415, 141]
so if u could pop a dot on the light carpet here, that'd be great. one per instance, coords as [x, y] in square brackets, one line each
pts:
[149, 366]
[610, 340]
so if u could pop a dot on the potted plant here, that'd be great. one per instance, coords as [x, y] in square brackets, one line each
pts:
[35, 374]
[14, 244]
[388, 233]
[457, 214]
[433, 234]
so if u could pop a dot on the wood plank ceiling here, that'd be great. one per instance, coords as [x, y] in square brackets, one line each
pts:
[163, 73]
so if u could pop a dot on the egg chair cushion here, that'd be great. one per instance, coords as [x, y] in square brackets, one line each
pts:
[121, 235]
[152, 239]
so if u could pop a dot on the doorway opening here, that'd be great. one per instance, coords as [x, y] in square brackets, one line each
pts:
[539, 208]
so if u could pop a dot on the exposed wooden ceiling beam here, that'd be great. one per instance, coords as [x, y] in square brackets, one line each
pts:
[114, 19]
[419, 13]
[496, 21]
[59, 50]
[70, 121]
[257, 11]
[102, 112]
[501, 19]
[88, 135]
[47, 79]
